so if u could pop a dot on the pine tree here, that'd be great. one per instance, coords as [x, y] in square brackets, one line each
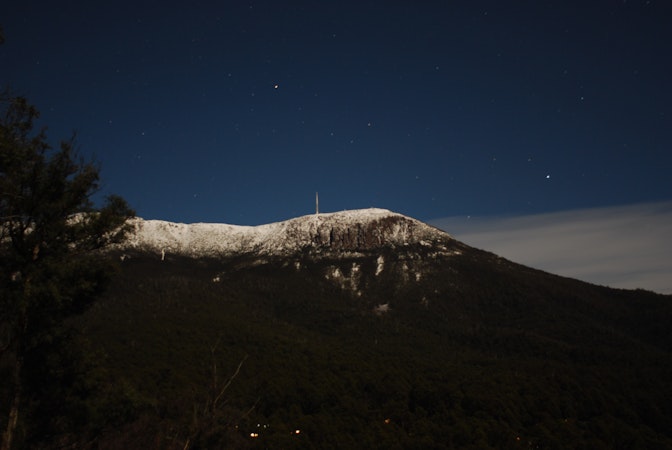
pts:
[51, 238]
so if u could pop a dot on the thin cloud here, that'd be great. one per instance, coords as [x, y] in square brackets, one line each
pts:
[625, 247]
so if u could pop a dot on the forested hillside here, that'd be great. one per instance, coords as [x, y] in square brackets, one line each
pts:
[467, 351]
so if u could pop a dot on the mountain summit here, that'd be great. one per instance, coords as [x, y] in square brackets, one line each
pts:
[346, 231]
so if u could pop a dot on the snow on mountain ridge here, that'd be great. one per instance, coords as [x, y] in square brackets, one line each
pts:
[352, 230]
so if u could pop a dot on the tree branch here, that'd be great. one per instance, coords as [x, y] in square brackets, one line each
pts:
[228, 383]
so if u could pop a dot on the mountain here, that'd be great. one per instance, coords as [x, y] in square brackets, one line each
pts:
[362, 329]
[347, 231]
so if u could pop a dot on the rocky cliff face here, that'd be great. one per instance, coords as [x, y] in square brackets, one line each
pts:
[359, 231]
[347, 231]
[370, 234]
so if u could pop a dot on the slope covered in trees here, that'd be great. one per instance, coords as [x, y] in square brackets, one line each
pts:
[476, 352]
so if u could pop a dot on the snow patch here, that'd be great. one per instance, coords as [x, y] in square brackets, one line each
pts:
[381, 309]
[334, 273]
[349, 281]
[380, 264]
[355, 275]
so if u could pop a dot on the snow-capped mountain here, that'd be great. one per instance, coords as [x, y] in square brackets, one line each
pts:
[369, 312]
[346, 231]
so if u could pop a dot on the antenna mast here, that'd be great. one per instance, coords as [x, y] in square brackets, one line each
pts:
[317, 204]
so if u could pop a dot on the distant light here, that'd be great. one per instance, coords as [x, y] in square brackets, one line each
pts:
[275, 86]
[254, 435]
[387, 421]
[297, 431]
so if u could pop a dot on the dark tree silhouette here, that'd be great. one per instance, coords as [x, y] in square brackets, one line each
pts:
[51, 236]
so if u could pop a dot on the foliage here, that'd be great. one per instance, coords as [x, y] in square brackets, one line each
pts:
[479, 353]
[50, 234]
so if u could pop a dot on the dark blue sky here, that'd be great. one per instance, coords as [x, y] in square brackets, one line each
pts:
[239, 112]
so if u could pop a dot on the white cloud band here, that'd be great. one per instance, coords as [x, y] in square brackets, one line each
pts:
[624, 247]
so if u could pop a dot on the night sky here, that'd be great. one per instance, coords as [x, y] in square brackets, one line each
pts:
[240, 112]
